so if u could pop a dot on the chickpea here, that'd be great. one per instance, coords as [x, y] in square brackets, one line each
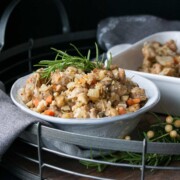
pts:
[169, 119]
[173, 134]
[150, 134]
[177, 123]
[127, 137]
[168, 128]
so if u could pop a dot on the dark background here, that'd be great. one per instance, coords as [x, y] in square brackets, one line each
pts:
[39, 18]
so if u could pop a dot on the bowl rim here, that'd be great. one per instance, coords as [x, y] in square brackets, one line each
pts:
[89, 121]
[158, 77]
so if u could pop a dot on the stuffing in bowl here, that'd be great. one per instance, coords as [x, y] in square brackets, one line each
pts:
[161, 58]
[73, 93]
[84, 96]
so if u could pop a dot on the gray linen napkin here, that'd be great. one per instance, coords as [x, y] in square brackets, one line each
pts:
[12, 121]
[130, 29]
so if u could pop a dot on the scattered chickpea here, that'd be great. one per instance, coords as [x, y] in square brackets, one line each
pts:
[173, 134]
[177, 123]
[127, 137]
[169, 119]
[168, 128]
[150, 134]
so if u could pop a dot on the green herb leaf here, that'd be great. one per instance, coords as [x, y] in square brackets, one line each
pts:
[63, 60]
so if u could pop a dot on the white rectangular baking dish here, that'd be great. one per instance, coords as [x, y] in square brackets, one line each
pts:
[169, 87]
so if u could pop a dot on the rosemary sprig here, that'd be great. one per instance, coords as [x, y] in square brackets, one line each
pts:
[63, 60]
[161, 133]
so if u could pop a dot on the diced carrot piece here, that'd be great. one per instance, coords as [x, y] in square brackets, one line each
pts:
[54, 86]
[131, 101]
[121, 110]
[49, 99]
[136, 100]
[49, 112]
[35, 102]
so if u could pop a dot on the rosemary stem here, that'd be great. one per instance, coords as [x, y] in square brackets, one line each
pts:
[164, 135]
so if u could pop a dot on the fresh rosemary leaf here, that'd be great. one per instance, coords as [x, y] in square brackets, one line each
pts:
[63, 60]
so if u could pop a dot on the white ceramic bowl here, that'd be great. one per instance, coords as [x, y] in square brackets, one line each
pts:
[113, 127]
[117, 49]
[132, 58]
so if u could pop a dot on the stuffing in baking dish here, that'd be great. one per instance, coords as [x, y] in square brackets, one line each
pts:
[74, 92]
[161, 59]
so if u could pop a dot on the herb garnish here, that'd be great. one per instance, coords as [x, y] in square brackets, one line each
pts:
[63, 60]
[167, 131]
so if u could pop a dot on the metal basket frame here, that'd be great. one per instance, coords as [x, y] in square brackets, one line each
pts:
[44, 132]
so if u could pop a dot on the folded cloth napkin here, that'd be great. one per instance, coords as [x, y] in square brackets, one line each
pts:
[12, 121]
[130, 29]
